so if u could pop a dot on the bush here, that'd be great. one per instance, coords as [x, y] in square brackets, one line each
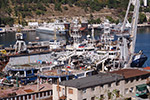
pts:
[110, 19]
[39, 12]
[142, 18]
[58, 7]
[7, 21]
[65, 8]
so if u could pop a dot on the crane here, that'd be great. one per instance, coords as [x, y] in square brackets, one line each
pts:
[133, 30]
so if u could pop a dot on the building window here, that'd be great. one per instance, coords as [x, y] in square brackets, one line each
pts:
[29, 96]
[58, 88]
[37, 95]
[131, 89]
[70, 91]
[137, 78]
[132, 80]
[102, 86]
[109, 95]
[109, 85]
[102, 97]
[44, 93]
[41, 94]
[126, 81]
[84, 90]
[92, 98]
[117, 93]
[126, 90]
[48, 93]
[25, 97]
[117, 83]
[93, 88]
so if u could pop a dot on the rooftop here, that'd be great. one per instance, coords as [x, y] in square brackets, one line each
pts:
[91, 81]
[128, 73]
[24, 90]
[62, 72]
[147, 68]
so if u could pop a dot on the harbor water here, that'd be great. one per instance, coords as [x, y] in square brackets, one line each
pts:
[142, 42]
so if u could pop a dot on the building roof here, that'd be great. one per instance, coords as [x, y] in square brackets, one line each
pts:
[24, 90]
[129, 73]
[147, 68]
[91, 81]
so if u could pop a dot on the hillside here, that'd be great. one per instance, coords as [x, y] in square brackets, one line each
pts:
[48, 9]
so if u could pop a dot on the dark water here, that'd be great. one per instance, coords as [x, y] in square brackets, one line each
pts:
[142, 43]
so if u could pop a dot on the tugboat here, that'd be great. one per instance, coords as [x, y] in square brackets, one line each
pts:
[138, 59]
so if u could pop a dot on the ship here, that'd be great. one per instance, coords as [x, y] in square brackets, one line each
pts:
[49, 28]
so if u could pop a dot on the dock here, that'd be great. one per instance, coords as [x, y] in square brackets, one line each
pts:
[23, 29]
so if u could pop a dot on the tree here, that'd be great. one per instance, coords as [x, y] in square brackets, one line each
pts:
[142, 18]
[58, 7]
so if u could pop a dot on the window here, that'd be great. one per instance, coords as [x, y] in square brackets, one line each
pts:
[93, 88]
[29, 72]
[117, 93]
[137, 78]
[126, 81]
[37, 95]
[44, 93]
[70, 91]
[132, 80]
[131, 90]
[102, 97]
[48, 93]
[21, 72]
[109, 95]
[109, 85]
[84, 90]
[41, 94]
[58, 88]
[29, 96]
[126, 91]
[92, 98]
[102, 86]
[117, 83]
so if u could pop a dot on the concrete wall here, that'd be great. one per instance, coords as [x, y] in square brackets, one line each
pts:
[64, 91]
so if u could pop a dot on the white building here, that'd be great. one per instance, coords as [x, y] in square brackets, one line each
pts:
[33, 24]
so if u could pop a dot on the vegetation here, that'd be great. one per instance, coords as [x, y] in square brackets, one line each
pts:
[6, 21]
[31, 8]
[142, 18]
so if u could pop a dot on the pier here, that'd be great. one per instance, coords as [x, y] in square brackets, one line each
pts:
[23, 29]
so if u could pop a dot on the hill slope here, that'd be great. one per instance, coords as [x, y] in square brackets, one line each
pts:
[48, 9]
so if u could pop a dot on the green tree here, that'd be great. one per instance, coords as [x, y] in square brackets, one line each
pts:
[142, 18]
[58, 7]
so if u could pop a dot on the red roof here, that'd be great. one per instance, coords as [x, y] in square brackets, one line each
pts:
[82, 28]
[128, 73]
[147, 68]
[24, 89]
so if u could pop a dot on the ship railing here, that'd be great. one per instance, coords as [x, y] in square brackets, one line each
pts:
[32, 67]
